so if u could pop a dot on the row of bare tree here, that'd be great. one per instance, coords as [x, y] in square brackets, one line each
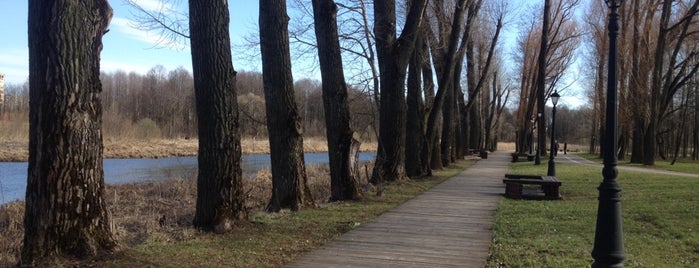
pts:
[440, 43]
[541, 73]
[657, 78]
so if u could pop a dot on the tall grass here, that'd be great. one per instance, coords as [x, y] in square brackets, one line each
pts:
[660, 221]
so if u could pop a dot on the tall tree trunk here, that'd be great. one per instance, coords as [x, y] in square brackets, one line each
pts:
[461, 143]
[415, 126]
[447, 124]
[638, 84]
[428, 148]
[220, 197]
[445, 62]
[289, 181]
[393, 56]
[475, 126]
[541, 82]
[343, 165]
[695, 138]
[64, 209]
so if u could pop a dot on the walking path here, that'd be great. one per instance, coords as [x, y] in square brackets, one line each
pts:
[449, 225]
[574, 159]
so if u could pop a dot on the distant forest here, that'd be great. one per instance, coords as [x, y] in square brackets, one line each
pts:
[160, 104]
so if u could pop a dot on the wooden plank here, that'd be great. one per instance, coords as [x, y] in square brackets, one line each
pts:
[447, 226]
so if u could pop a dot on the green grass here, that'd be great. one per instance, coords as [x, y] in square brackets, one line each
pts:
[270, 240]
[684, 165]
[660, 221]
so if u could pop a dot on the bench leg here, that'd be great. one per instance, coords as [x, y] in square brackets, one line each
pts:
[513, 190]
[551, 191]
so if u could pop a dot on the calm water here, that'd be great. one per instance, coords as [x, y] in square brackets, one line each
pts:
[13, 175]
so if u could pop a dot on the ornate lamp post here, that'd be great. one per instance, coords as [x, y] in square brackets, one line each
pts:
[552, 164]
[609, 246]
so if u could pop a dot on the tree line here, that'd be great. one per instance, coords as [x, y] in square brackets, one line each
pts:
[430, 90]
[656, 77]
[160, 104]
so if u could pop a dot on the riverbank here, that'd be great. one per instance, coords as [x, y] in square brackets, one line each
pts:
[152, 222]
[16, 150]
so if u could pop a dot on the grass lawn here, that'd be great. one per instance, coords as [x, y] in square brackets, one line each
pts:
[681, 165]
[660, 221]
[272, 239]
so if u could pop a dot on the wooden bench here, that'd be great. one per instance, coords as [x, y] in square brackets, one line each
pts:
[522, 156]
[514, 185]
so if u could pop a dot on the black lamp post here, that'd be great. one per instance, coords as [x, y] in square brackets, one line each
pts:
[537, 157]
[552, 164]
[609, 246]
[531, 137]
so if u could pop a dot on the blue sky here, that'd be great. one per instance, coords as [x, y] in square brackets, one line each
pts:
[125, 48]
[129, 49]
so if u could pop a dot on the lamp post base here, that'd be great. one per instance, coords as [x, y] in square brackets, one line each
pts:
[552, 168]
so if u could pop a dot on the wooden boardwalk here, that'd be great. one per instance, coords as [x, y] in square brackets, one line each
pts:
[448, 226]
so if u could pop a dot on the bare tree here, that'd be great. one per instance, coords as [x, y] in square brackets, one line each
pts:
[289, 186]
[171, 25]
[675, 49]
[562, 39]
[220, 199]
[393, 56]
[64, 209]
[343, 147]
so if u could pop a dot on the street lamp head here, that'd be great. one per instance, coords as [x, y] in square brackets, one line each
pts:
[613, 3]
[555, 97]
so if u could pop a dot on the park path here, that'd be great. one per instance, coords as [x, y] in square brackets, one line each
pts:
[574, 159]
[449, 225]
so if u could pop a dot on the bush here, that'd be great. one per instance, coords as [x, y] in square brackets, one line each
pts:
[146, 128]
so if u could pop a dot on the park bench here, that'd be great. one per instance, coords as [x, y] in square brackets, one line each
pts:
[482, 153]
[514, 185]
[521, 157]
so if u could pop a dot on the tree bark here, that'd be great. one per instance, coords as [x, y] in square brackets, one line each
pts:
[289, 181]
[343, 176]
[220, 196]
[415, 126]
[445, 62]
[65, 212]
[541, 83]
[447, 124]
[393, 56]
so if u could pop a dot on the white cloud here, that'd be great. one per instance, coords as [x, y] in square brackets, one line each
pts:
[128, 27]
[154, 5]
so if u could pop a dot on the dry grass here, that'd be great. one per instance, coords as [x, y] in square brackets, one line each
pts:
[158, 212]
[510, 146]
[506, 146]
[11, 231]
[16, 149]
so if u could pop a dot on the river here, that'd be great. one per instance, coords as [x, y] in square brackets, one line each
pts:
[13, 175]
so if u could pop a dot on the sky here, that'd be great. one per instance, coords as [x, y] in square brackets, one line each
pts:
[129, 49]
[125, 47]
